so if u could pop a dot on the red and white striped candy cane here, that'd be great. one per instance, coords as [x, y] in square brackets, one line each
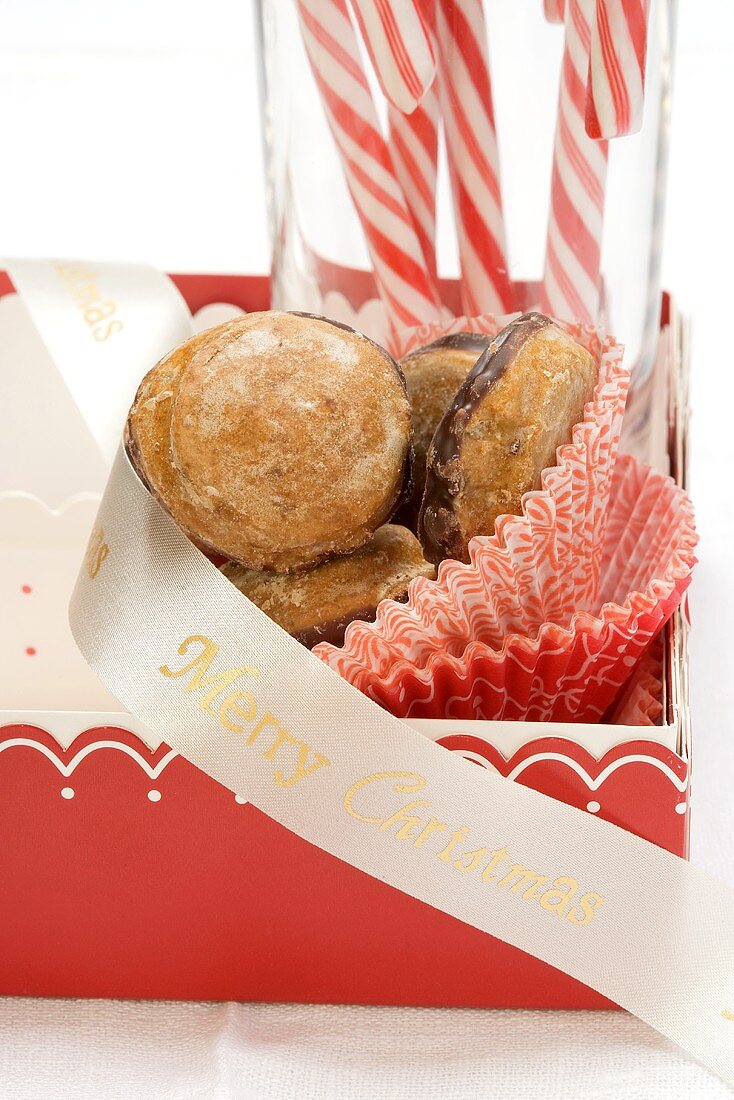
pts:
[571, 279]
[616, 79]
[471, 142]
[407, 289]
[553, 9]
[400, 48]
[414, 146]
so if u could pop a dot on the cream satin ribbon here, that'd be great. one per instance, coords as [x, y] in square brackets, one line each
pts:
[104, 326]
[193, 659]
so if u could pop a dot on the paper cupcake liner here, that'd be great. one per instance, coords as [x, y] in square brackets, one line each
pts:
[551, 557]
[476, 643]
[641, 703]
[540, 567]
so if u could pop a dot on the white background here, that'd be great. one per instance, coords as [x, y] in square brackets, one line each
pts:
[131, 131]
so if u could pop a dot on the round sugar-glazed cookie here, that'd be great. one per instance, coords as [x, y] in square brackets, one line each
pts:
[518, 404]
[318, 605]
[433, 374]
[277, 440]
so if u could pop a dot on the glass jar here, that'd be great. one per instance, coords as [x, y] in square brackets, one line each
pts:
[320, 259]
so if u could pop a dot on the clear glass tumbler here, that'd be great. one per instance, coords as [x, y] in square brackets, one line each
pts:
[320, 260]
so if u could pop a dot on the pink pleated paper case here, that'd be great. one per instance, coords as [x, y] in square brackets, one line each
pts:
[553, 612]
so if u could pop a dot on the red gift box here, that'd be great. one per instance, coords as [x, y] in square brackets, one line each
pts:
[129, 873]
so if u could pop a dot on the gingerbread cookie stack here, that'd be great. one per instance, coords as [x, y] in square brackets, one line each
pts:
[283, 443]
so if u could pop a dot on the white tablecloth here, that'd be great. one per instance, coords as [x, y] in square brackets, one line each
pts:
[111, 1051]
[73, 78]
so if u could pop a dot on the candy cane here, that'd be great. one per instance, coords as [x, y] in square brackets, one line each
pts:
[616, 79]
[571, 280]
[471, 141]
[409, 293]
[400, 48]
[554, 10]
[414, 146]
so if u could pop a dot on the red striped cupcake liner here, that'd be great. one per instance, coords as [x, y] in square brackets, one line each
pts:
[553, 611]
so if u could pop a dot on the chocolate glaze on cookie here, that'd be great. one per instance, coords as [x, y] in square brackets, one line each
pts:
[277, 440]
[318, 605]
[515, 407]
[433, 374]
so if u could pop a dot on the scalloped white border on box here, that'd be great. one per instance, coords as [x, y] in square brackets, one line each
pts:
[154, 770]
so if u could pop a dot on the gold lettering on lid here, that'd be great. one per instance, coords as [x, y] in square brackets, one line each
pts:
[433, 826]
[199, 665]
[497, 857]
[267, 719]
[456, 838]
[302, 766]
[99, 313]
[523, 880]
[417, 784]
[231, 705]
[471, 860]
[282, 737]
[589, 903]
[235, 708]
[495, 867]
[96, 554]
[559, 897]
[404, 817]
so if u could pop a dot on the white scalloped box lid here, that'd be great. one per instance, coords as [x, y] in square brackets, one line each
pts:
[40, 552]
[46, 447]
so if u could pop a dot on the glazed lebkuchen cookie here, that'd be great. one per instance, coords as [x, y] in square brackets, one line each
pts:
[277, 440]
[433, 374]
[517, 405]
[318, 605]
